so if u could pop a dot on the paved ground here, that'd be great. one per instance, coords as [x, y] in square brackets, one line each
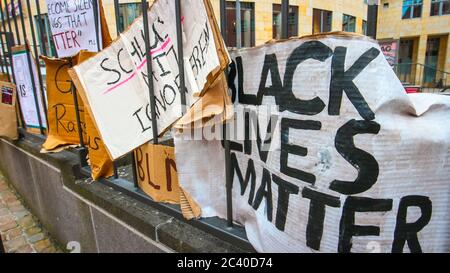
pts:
[21, 231]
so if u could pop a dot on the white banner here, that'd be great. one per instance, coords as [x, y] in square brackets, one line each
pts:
[72, 23]
[25, 89]
[346, 161]
[116, 79]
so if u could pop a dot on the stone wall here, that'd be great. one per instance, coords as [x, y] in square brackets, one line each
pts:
[91, 214]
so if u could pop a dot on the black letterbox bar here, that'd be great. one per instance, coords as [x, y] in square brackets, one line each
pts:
[228, 177]
[284, 19]
[180, 55]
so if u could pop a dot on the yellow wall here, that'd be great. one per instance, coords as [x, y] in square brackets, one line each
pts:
[391, 25]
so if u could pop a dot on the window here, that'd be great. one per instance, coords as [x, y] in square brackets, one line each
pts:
[349, 23]
[440, 7]
[364, 27]
[247, 24]
[431, 60]
[292, 21]
[412, 9]
[405, 70]
[46, 41]
[128, 12]
[322, 21]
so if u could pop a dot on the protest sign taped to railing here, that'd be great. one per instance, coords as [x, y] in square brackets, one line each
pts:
[157, 172]
[25, 91]
[61, 114]
[99, 160]
[329, 153]
[8, 116]
[116, 80]
[73, 26]
[157, 176]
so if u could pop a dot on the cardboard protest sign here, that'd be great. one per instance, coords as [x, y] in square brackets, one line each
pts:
[116, 79]
[73, 26]
[99, 160]
[25, 88]
[328, 152]
[8, 119]
[157, 176]
[157, 172]
[63, 128]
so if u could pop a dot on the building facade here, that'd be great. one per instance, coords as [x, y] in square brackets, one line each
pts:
[417, 31]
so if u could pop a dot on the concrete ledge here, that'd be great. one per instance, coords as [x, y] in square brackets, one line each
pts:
[93, 215]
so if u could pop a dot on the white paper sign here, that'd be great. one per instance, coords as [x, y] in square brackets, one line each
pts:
[346, 162]
[116, 79]
[72, 23]
[25, 90]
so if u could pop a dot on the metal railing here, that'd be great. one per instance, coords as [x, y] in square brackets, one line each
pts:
[429, 79]
[10, 36]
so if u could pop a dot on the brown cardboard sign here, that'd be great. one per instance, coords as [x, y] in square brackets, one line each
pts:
[8, 117]
[158, 177]
[157, 172]
[63, 128]
[99, 159]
